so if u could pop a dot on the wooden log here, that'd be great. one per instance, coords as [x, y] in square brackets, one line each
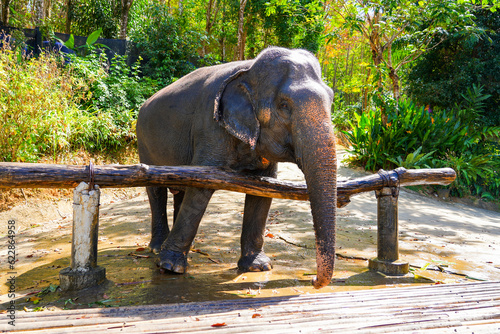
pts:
[33, 175]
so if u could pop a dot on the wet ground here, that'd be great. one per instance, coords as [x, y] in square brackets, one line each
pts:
[443, 242]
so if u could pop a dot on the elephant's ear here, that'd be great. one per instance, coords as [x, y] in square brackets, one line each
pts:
[234, 109]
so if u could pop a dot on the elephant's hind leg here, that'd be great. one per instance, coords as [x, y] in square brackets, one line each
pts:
[178, 197]
[173, 253]
[159, 224]
[253, 257]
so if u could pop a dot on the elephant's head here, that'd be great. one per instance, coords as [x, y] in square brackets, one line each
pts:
[280, 106]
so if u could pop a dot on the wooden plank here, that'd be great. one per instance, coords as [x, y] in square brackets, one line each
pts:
[374, 299]
[469, 307]
[31, 175]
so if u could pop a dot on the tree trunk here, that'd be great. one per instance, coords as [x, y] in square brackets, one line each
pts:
[240, 53]
[126, 4]
[365, 91]
[395, 83]
[47, 10]
[210, 17]
[393, 74]
[39, 12]
[375, 45]
[67, 29]
[335, 73]
[5, 12]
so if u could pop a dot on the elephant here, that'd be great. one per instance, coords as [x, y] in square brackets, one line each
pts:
[247, 116]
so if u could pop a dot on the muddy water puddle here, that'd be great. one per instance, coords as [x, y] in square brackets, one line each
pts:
[134, 279]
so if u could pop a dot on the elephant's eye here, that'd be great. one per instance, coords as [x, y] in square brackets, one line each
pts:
[284, 106]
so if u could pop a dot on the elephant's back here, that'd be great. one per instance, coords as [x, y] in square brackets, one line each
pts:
[170, 122]
[193, 93]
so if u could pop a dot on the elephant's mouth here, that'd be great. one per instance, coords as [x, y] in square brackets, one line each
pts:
[278, 152]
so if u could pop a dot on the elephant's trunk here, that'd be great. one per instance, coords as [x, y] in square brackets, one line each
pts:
[316, 156]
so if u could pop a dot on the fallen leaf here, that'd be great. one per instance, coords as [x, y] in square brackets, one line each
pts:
[140, 249]
[35, 299]
[270, 235]
[256, 315]
[221, 324]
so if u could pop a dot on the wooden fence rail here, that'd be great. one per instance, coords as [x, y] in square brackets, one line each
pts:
[32, 175]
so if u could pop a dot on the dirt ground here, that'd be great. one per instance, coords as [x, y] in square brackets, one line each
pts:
[449, 242]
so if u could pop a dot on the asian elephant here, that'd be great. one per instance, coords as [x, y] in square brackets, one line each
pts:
[247, 116]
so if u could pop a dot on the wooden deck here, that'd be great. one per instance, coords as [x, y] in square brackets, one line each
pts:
[454, 308]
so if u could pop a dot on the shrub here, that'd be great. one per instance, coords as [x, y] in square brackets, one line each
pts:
[169, 51]
[115, 87]
[103, 131]
[416, 137]
[46, 108]
[36, 99]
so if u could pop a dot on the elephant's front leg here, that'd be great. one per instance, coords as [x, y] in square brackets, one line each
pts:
[253, 257]
[174, 251]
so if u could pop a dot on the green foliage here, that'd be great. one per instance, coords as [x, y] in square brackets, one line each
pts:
[87, 16]
[297, 23]
[477, 174]
[415, 160]
[89, 46]
[114, 95]
[116, 87]
[416, 137]
[343, 112]
[35, 106]
[106, 130]
[409, 130]
[464, 59]
[168, 49]
[47, 108]
[400, 31]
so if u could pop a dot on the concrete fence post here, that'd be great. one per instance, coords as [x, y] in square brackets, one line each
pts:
[387, 260]
[83, 271]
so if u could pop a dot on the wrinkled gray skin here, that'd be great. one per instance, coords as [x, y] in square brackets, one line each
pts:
[247, 116]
